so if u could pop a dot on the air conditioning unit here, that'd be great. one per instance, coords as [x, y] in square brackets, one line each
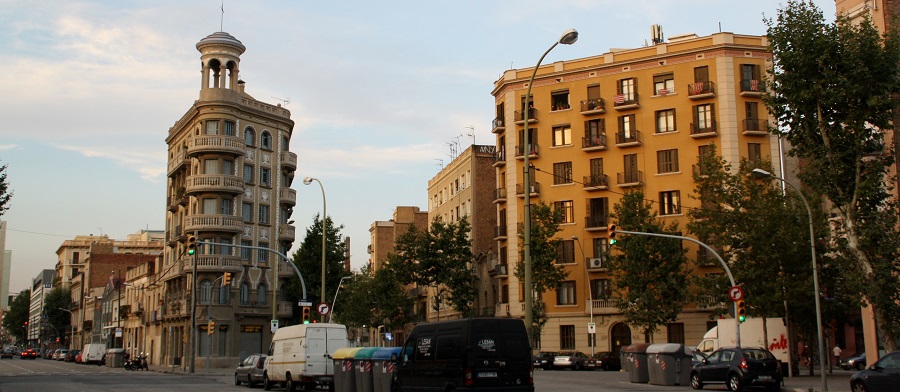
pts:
[595, 263]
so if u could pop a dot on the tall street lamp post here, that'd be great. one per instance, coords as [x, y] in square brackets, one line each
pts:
[568, 38]
[307, 181]
[760, 173]
[71, 327]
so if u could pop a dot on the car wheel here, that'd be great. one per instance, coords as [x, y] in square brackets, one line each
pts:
[576, 366]
[859, 387]
[289, 384]
[860, 366]
[734, 383]
[267, 385]
[696, 383]
[237, 381]
[250, 382]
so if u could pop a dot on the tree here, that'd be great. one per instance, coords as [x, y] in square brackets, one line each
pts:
[374, 298]
[5, 192]
[14, 319]
[308, 259]
[648, 272]
[546, 274]
[440, 257]
[831, 91]
[58, 322]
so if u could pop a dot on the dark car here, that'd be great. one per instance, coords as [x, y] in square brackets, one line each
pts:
[738, 368]
[697, 357]
[857, 362]
[29, 354]
[883, 375]
[250, 370]
[608, 361]
[71, 355]
[544, 360]
[575, 360]
[8, 353]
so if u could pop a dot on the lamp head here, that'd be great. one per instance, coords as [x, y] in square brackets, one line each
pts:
[290, 222]
[307, 180]
[569, 37]
[760, 173]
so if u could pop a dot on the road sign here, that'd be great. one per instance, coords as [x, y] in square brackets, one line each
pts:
[323, 308]
[274, 325]
[592, 328]
[736, 293]
[304, 303]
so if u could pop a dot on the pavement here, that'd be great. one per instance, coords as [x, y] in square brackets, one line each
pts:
[837, 380]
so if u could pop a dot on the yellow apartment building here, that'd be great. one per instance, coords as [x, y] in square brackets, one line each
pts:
[601, 126]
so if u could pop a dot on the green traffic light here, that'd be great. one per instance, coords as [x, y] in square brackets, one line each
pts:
[305, 321]
[190, 252]
[742, 318]
[612, 241]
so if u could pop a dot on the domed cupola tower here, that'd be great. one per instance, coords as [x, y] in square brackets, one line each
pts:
[220, 58]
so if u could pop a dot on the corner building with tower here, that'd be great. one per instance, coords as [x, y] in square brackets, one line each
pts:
[602, 126]
[229, 175]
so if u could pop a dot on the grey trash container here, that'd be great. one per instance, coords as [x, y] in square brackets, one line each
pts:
[344, 372]
[115, 357]
[636, 362]
[364, 369]
[669, 364]
[383, 368]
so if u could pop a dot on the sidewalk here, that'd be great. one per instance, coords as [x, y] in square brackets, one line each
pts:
[197, 370]
[838, 381]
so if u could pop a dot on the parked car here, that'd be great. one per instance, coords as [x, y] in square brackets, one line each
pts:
[60, 354]
[544, 360]
[8, 353]
[250, 370]
[79, 358]
[857, 362]
[608, 361]
[881, 376]
[28, 354]
[738, 368]
[575, 360]
[48, 354]
[71, 355]
[697, 357]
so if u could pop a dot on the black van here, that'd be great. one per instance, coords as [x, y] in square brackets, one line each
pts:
[466, 354]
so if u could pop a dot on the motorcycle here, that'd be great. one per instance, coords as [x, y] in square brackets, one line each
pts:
[138, 363]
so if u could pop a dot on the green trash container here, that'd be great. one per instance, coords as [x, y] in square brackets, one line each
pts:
[344, 373]
[670, 364]
[636, 362]
[383, 368]
[363, 363]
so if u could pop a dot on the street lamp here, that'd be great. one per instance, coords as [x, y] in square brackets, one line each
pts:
[334, 301]
[760, 173]
[307, 181]
[568, 38]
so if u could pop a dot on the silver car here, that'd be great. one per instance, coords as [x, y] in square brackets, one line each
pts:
[250, 370]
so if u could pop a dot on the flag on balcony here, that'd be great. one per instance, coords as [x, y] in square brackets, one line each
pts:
[698, 87]
[754, 85]
[619, 98]
[662, 91]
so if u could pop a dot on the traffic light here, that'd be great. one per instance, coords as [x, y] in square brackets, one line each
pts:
[26, 323]
[612, 234]
[226, 279]
[210, 327]
[306, 315]
[191, 245]
[741, 311]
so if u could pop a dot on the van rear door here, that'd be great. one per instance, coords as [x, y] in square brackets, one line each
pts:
[501, 356]
[321, 343]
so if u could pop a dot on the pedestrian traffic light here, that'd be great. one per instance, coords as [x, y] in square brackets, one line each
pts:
[226, 279]
[306, 315]
[612, 234]
[741, 311]
[191, 245]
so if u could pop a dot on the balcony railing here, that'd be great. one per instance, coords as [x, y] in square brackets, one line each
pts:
[596, 222]
[214, 222]
[701, 170]
[178, 161]
[288, 196]
[593, 106]
[214, 183]
[630, 178]
[593, 143]
[289, 160]
[752, 87]
[630, 138]
[535, 189]
[625, 101]
[700, 90]
[500, 194]
[607, 303]
[756, 127]
[520, 116]
[500, 271]
[497, 125]
[216, 144]
[596, 181]
[533, 151]
[704, 130]
[287, 233]
[500, 157]
[212, 262]
[499, 232]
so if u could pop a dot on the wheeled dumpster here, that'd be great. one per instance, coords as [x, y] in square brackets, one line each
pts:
[636, 362]
[383, 369]
[115, 357]
[344, 372]
[363, 363]
[669, 364]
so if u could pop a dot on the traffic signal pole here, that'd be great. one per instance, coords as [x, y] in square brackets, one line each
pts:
[737, 320]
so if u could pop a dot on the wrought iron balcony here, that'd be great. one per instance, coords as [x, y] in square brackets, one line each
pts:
[520, 116]
[594, 223]
[755, 127]
[497, 125]
[533, 151]
[626, 101]
[630, 178]
[535, 189]
[593, 106]
[708, 129]
[499, 195]
[500, 157]
[701, 90]
[593, 143]
[628, 139]
[752, 87]
[596, 182]
[499, 232]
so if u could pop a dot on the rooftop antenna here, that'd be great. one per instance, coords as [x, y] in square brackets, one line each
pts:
[440, 163]
[656, 34]
[222, 20]
[471, 133]
[285, 101]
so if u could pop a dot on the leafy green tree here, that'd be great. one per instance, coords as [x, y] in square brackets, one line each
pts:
[440, 257]
[649, 273]
[546, 274]
[373, 298]
[5, 192]
[832, 92]
[308, 259]
[58, 322]
[14, 319]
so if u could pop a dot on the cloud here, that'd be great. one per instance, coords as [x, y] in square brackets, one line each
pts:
[150, 164]
[7, 147]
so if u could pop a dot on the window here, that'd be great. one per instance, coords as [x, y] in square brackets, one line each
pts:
[670, 203]
[754, 152]
[675, 332]
[210, 206]
[626, 129]
[704, 120]
[249, 136]
[627, 91]
[595, 133]
[565, 253]
[565, 294]
[752, 122]
[247, 212]
[750, 77]
[248, 174]
[285, 143]
[265, 140]
[667, 161]
[210, 166]
[665, 121]
[532, 141]
[559, 100]
[596, 165]
[562, 173]
[224, 294]
[226, 205]
[562, 135]
[285, 215]
[245, 293]
[205, 292]
[701, 74]
[228, 167]
[631, 168]
[212, 127]
[229, 128]
[245, 252]
[265, 177]
[598, 212]
[261, 294]
[262, 255]
[601, 288]
[566, 209]
[664, 84]
[566, 337]
[263, 214]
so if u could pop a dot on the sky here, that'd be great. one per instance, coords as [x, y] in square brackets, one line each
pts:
[378, 92]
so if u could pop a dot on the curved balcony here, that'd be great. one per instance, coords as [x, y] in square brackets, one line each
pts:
[288, 196]
[287, 233]
[216, 144]
[214, 222]
[289, 160]
[212, 262]
[214, 183]
[179, 161]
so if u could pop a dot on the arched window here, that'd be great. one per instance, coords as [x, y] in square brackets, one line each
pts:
[205, 291]
[261, 294]
[245, 293]
[249, 137]
[225, 294]
[265, 140]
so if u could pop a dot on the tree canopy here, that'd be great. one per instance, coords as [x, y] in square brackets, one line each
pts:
[5, 191]
[308, 259]
[14, 319]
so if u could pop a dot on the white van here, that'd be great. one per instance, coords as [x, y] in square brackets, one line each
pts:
[301, 355]
[93, 353]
